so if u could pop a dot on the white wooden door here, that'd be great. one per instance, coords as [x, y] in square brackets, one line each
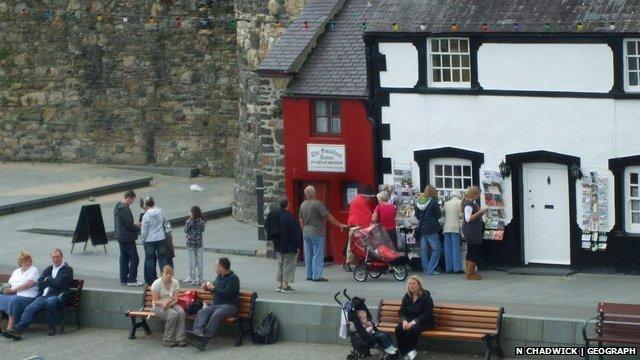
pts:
[546, 214]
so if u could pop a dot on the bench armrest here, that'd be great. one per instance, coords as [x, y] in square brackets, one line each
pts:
[585, 324]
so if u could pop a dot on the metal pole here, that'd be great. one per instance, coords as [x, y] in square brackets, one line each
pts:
[260, 203]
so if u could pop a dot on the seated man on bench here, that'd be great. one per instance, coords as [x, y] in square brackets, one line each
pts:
[226, 290]
[53, 283]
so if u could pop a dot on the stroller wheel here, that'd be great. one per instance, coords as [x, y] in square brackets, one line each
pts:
[374, 274]
[360, 274]
[400, 273]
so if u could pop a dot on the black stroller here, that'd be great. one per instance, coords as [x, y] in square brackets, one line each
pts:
[361, 342]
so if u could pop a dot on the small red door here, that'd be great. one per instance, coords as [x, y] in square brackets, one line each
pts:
[322, 195]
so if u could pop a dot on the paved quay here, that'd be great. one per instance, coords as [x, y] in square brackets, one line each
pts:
[106, 344]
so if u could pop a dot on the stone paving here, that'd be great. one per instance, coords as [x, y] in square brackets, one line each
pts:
[98, 344]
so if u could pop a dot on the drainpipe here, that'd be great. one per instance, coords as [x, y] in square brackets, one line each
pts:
[260, 203]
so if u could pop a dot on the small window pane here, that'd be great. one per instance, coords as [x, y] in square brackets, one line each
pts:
[435, 45]
[439, 182]
[448, 183]
[464, 46]
[633, 63]
[631, 47]
[335, 125]
[439, 170]
[635, 217]
[447, 170]
[437, 75]
[633, 78]
[466, 75]
[453, 46]
[464, 60]
[457, 170]
[467, 170]
[634, 191]
[455, 60]
[635, 205]
[321, 108]
[446, 60]
[435, 59]
[446, 75]
[444, 46]
[467, 183]
[634, 178]
[322, 125]
[456, 75]
[638, 47]
[457, 183]
[335, 108]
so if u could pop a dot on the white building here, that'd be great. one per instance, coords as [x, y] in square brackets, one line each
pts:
[455, 93]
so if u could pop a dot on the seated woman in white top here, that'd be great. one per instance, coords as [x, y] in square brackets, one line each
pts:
[164, 294]
[21, 289]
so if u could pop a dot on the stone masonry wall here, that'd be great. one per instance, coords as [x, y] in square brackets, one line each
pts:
[82, 85]
[260, 121]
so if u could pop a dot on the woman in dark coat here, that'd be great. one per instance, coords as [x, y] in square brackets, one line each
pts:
[284, 231]
[416, 316]
[472, 231]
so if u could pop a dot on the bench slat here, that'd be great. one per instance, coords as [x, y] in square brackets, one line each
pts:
[467, 324]
[621, 340]
[483, 314]
[621, 309]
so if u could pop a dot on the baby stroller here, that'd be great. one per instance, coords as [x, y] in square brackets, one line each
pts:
[361, 342]
[375, 254]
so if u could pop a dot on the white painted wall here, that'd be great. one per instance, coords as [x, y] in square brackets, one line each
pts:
[402, 65]
[593, 129]
[545, 67]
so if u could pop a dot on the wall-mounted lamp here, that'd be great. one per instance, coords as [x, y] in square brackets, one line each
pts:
[505, 170]
[575, 171]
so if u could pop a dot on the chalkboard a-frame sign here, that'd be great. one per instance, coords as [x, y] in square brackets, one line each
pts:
[90, 225]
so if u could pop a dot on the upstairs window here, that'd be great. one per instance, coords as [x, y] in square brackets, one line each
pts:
[632, 65]
[449, 63]
[326, 119]
[632, 199]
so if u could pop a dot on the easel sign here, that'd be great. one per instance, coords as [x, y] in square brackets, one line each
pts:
[90, 224]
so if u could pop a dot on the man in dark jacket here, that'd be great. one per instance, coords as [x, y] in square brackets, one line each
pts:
[53, 284]
[226, 295]
[285, 232]
[126, 234]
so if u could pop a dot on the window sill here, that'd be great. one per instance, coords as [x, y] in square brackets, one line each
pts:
[624, 234]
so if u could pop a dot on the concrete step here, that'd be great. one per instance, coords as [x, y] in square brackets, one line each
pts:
[186, 172]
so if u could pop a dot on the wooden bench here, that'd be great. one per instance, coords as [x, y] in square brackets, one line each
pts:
[72, 303]
[615, 323]
[452, 322]
[244, 319]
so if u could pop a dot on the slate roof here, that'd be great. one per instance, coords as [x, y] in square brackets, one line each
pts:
[337, 65]
[290, 51]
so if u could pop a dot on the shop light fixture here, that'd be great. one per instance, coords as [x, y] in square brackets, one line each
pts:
[505, 170]
[575, 171]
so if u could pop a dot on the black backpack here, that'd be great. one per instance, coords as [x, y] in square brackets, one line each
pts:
[267, 332]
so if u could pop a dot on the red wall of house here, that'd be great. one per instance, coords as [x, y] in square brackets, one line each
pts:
[357, 136]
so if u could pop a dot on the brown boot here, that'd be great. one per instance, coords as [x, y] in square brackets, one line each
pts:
[471, 271]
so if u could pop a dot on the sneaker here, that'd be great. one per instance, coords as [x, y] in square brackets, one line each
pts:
[391, 350]
[431, 273]
[123, 284]
[168, 343]
[196, 340]
[51, 331]
[320, 280]
[12, 334]
[412, 354]
[181, 343]
[279, 289]
[287, 289]
[309, 279]
[135, 283]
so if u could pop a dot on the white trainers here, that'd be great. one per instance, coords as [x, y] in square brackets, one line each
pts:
[411, 355]
[135, 284]
[391, 350]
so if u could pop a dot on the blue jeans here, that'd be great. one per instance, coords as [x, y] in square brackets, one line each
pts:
[314, 256]
[155, 251]
[195, 264]
[383, 339]
[128, 262]
[49, 303]
[452, 252]
[429, 264]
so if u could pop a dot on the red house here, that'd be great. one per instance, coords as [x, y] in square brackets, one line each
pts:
[328, 138]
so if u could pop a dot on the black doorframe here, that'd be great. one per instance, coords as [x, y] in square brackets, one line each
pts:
[515, 162]
[423, 157]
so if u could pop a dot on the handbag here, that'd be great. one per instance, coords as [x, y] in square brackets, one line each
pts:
[186, 298]
[168, 238]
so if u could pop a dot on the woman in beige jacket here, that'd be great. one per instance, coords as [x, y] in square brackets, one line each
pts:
[452, 214]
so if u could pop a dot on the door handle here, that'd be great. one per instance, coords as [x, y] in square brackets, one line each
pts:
[532, 206]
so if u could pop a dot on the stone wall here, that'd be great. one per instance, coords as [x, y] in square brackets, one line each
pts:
[261, 149]
[83, 85]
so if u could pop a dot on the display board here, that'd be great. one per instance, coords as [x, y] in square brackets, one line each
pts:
[494, 217]
[90, 225]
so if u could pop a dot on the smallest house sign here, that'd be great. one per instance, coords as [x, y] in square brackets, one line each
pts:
[326, 158]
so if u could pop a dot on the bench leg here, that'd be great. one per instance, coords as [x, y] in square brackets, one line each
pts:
[135, 325]
[78, 318]
[240, 333]
[487, 354]
[61, 321]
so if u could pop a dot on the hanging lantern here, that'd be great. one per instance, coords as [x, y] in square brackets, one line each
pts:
[364, 26]
[177, 22]
[305, 25]
[395, 27]
[454, 27]
[485, 27]
[505, 170]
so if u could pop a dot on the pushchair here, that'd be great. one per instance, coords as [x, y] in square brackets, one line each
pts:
[361, 342]
[376, 255]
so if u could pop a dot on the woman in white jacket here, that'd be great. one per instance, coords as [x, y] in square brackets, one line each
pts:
[451, 230]
[153, 239]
